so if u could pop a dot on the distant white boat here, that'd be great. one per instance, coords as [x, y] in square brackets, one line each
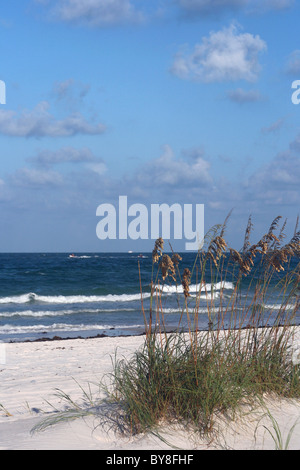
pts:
[130, 251]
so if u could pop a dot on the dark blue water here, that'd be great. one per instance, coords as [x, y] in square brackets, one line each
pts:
[43, 295]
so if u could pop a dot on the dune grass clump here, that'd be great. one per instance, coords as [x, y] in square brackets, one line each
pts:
[174, 380]
[192, 376]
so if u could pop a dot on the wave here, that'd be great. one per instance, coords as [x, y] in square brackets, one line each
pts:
[31, 297]
[55, 313]
[191, 311]
[17, 299]
[279, 306]
[195, 288]
[71, 299]
[58, 327]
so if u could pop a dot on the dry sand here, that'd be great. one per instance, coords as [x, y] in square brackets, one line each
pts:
[30, 373]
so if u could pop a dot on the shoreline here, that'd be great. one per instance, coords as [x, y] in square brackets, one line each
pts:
[105, 335]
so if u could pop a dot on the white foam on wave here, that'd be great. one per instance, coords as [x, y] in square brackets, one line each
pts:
[191, 311]
[57, 327]
[17, 299]
[75, 299]
[55, 313]
[195, 288]
[210, 295]
[71, 299]
[279, 306]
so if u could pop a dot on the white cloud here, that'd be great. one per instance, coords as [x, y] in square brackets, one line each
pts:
[244, 96]
[226, 55]
[40, 123]
[280, 177]
[47, 158]
[96, 12]
[32, 177]
[65, 185]
[169, 171]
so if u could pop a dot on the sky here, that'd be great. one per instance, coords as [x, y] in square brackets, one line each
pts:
[168, 101]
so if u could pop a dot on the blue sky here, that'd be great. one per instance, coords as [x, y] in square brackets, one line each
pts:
[185, 101]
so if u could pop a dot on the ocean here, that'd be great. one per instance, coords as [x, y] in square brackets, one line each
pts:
[47, 295]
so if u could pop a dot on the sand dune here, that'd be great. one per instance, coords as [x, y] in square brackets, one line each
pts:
[31, 373]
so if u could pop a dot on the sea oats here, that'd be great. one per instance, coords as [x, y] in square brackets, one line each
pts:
[167, 267]
[176, 258]
[247, 235]
[158, 249]
[186, 279]
[216, 248]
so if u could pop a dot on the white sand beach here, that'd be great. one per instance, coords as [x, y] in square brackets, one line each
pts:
[30, 373]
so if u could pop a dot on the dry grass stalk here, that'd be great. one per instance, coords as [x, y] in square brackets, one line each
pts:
[158, 249]
[269, 246]
[247, 235]
[176, 258]
[216, 248]
[186, 279]
[167, 267]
